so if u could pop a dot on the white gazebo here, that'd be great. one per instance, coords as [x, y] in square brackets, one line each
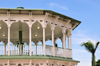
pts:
[20, 27]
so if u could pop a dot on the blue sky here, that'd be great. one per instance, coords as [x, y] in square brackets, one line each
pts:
[87, 11]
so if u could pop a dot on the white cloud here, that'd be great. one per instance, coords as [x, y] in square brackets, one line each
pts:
[59, 6]
[82, 36]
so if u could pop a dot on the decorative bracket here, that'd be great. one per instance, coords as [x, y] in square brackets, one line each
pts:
[56, 19]
[74, 26]
[46, 16]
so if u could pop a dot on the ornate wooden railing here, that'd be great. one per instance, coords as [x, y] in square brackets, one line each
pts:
[36, 50]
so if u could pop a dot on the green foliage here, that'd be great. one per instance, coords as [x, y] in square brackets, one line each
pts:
[89, 46]
[97, 63]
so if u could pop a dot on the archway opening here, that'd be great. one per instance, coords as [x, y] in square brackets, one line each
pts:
[19, 30]
[3, 31]
[48, 35]
[19, 33]
[59, 43]
[58, 34]
[37, 32]
[3, 37]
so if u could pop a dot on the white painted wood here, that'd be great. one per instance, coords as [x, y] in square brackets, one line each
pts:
[30, 39]
[53, 43]
[40, 50]
[4, 49]
[25, 49]
[44, 42]
[1, 50]
[33, 49]
[68, 42]
[64, 45]
[8, 40]
[16, 50]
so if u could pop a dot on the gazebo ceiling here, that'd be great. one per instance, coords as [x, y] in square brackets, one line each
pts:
[37, 31]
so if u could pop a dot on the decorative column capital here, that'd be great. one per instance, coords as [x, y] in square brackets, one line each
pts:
[68, 21]
[46, 16]
[9, 25]
[64, 31]
[56, 19]
[52, 28]
[30, 27]
[36, 42]
[44, 27]
[44, 41]
[30, 24]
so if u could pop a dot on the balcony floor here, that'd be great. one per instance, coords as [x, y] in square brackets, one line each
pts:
[36, 57]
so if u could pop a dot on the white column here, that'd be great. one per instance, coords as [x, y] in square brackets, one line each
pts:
[18, 49]
[71, 41]
[36, 49]
[64, 45]
[1, 50]
[8, 40]
[30, 39]
[4, 49]
[68, 42]
[44, 41]
[14, 49]
[53, 43]
[33, 49]
[23, 50]
[27, 49]
[71, 45]
[11, 49]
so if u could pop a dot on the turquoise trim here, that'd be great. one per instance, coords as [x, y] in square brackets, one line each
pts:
[38, 57]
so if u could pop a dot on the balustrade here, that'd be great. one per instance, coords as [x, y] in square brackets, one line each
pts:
[36, 50]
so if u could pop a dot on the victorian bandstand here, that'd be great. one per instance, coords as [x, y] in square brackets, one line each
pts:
[20, 28]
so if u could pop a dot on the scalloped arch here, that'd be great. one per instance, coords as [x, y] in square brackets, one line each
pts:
[38, 22]
[17, 22]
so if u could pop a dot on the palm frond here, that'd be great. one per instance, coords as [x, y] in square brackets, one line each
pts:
[97, 44]
[89, 46]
